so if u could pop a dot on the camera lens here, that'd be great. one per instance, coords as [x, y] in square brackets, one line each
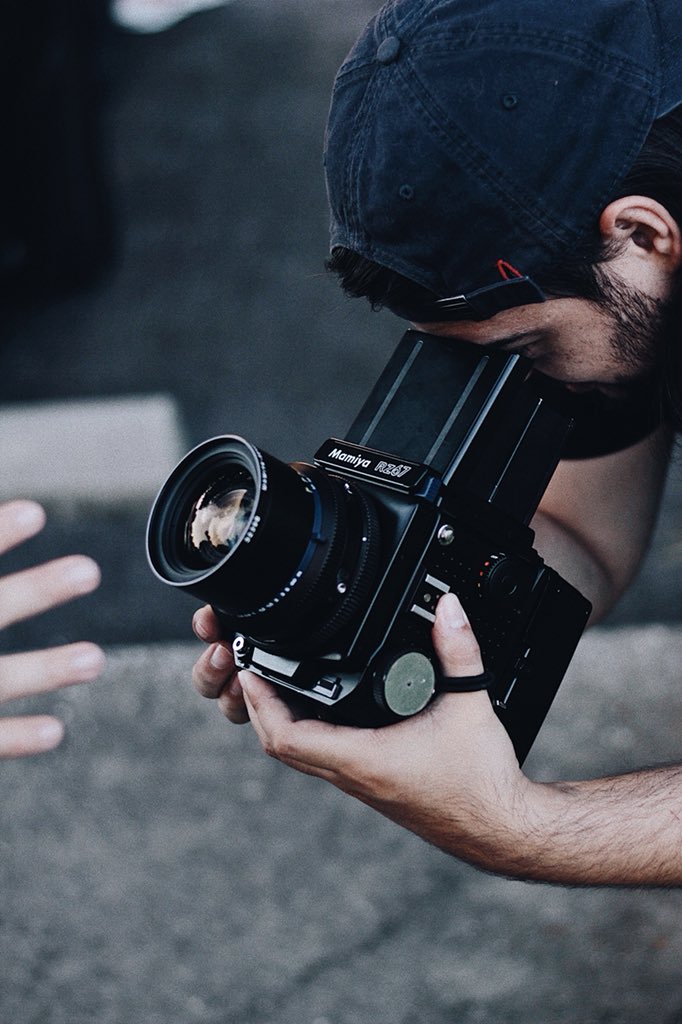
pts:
[220, 517]
[286, 553]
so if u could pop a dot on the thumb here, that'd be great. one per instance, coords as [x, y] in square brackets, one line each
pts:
[454, 641]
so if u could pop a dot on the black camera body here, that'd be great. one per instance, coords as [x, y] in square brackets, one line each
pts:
[328, 575]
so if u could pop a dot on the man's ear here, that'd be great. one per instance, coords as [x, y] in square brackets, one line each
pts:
[645, 228]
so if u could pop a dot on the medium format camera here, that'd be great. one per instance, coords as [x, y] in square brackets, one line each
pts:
[327, 576]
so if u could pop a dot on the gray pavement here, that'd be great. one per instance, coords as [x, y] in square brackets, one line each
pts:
[161, 869]
[158, 867]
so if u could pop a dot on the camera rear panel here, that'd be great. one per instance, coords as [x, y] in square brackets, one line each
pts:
[512, 599]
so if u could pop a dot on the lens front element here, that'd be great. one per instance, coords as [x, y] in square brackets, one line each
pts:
[221, 516]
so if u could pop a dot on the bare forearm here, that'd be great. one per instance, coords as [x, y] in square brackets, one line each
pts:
[577, 563]
[597, 516]
[623, 830]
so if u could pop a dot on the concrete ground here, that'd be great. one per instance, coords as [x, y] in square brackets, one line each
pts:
[158, 868]
[161, 869]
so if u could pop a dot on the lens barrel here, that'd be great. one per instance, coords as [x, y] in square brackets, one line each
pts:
[285, 553]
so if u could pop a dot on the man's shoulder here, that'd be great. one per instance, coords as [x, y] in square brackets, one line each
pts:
[603, 425]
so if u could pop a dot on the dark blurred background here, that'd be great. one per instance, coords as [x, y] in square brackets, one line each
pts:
[166, 235]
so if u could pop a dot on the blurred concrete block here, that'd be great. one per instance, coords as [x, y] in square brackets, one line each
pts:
[156, 15]
[114, 450]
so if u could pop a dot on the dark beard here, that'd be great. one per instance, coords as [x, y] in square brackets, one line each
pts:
[638, 323]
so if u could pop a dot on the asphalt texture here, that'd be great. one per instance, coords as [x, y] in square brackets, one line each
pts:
[159, 867]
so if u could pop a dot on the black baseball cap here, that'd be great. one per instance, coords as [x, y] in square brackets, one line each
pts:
[473, 143]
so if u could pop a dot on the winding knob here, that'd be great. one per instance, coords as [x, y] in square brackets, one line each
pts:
[505, 578]
[408, 683]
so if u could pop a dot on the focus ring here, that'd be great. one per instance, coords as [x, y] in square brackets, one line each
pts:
[363, 572]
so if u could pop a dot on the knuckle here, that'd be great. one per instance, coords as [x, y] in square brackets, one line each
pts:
[469, 645]
[279, 746]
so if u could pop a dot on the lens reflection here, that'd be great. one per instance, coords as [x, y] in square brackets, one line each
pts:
[221, 516]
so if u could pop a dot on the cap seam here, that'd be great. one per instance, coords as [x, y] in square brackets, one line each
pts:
[389, 20]
[663, 60]
[569, 46]
[590, 56]
[352, 176]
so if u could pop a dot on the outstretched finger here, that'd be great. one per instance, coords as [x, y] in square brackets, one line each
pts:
[19, 520]
[29, 735]
[231, 702]
[32, 591]
[31, 672]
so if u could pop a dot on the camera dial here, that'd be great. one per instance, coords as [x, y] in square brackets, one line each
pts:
[407, 683]
[505, 578]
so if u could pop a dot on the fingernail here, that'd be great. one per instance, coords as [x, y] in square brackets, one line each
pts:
[221, 659]
[452, 612]
[29, 515]
[82, 572]
[50, 731]
[198, 627]
[88, 662]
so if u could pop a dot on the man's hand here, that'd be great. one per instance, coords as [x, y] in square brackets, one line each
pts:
[449, 774]
[23, 595]
[214, 675]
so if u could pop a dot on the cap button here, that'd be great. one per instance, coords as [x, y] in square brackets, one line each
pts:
[388, 49]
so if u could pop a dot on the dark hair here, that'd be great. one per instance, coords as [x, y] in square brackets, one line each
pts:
[657, 173]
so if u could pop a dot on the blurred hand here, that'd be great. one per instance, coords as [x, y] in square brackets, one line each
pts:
[22, 595]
